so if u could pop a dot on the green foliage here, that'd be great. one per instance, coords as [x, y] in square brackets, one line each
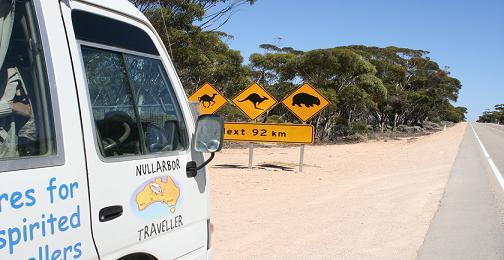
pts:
[454, 114]
[360, 128]
[367, 86]
[496, 116]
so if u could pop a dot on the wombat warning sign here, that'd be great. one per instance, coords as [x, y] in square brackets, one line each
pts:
[305, 102]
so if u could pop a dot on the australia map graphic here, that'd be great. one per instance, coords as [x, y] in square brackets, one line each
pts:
[159, 190]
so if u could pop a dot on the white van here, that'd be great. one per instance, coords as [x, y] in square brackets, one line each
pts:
[100, 155]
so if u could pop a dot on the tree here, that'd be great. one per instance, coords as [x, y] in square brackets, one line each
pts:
[210, 14]
[366, 85]
[496, 116]
[344, 77]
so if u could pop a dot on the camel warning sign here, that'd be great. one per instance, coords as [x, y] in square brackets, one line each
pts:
[305, 102]
[254, 101]
[209, 98]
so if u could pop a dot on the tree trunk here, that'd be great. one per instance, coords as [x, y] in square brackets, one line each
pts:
[396, 117]
[349, 121]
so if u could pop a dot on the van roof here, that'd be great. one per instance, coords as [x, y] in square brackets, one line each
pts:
[121, 6]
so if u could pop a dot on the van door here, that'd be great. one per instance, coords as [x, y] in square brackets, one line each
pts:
[137, 127]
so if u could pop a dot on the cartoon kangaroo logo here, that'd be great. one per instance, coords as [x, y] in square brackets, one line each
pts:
[156, 188]
[255, 99]
[209, 100]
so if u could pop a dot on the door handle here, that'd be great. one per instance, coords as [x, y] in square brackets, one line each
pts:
[110, 213]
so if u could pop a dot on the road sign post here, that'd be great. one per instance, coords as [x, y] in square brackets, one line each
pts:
[254, 101]
[251, 155]
[301, 157]
[271, 133]
[305, 102]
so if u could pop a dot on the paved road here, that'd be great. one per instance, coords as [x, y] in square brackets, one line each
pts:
[470, 220]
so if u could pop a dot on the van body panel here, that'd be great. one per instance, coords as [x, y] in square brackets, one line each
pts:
[32, 187]
[165, 246]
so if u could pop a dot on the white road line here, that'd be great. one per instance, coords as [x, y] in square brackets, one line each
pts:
[495, 170]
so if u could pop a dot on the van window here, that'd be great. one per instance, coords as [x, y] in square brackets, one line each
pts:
[134, 105]
[112, 102]
[111, 32]
[26, 122]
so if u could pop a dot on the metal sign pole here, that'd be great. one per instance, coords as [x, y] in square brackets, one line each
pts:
[251, 152]
[251, 155]
[301, 158]
[301, 155]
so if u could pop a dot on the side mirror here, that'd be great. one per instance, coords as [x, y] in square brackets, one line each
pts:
[209, 134]
[208, 138]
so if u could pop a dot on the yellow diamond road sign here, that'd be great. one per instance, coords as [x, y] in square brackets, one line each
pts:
[254, 101]
[210, 99]
[305, 102]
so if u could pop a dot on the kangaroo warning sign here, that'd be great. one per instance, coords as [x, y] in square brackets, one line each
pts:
[305, 102]
[209, 98]
[254, 101]
[272, 133]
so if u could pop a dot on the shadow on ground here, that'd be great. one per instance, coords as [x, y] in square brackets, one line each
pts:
[264, 166]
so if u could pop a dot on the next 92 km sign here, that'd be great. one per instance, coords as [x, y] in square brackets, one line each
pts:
[264, 132]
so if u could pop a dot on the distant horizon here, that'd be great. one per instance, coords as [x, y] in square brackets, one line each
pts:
[466, 38]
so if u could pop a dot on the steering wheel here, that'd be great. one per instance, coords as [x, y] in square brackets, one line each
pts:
[156, 139]
[109, 143]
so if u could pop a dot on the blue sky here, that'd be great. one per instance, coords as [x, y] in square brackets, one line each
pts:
[467, 36]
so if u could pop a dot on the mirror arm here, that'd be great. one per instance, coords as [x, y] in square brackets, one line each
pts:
[192, 169]
[212, 155]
